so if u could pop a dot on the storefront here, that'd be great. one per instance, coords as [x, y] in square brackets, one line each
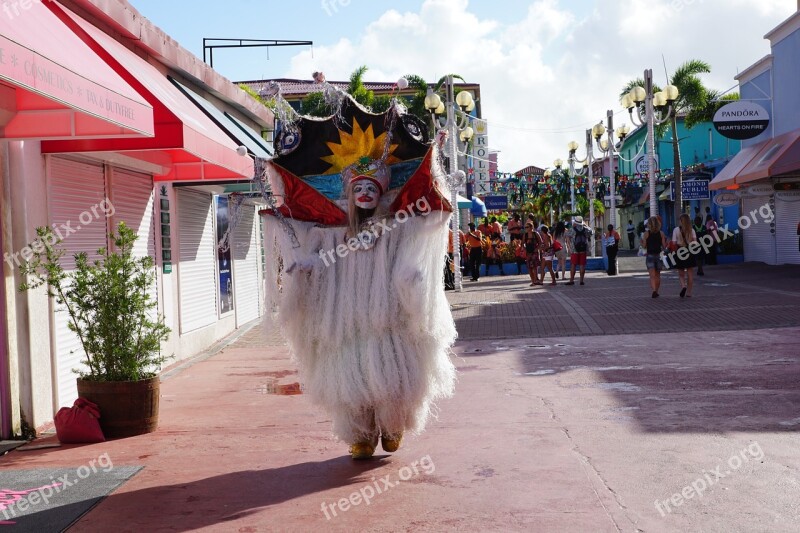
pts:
[52, 87]
[765, 177]
[93, 133]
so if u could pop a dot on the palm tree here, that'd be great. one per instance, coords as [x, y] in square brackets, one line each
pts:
[416, 105]
[692, 104]
[314, 103]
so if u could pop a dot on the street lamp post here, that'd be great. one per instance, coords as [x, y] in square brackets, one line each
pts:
[607, 148]
[654, 104]
[456, 129]
[587, 163]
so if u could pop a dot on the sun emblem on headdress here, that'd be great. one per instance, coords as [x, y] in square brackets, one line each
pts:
[352, 147]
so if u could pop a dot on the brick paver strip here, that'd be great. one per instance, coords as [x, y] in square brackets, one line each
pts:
[584, 320]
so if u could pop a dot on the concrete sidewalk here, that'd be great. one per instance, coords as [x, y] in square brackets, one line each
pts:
[642, 432]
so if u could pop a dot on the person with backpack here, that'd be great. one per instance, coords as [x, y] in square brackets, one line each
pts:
[580, 235]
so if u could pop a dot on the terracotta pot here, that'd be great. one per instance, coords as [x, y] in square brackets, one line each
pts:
[127, 408]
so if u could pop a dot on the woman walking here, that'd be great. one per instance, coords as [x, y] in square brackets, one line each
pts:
[700, 231]
[533, 244]
[548, 254]
[560, 237]
[685, 261]
[655, 243]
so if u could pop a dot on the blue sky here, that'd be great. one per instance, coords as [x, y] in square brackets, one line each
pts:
[548, 69]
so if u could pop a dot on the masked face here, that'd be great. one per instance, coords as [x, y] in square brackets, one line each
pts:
[366, 194]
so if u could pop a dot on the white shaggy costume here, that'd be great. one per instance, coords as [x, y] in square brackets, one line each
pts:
[372, 330]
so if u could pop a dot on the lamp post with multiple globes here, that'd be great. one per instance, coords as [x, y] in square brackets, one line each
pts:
[658, 108]
[587, 163]
[457, 128]
[606, 146]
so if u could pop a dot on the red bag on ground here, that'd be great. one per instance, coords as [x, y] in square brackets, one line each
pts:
[79, 424]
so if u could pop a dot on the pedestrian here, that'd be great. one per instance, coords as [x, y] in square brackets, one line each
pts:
[580, 244]
[485, 228]
[631, 229]
[561, 248]
[711, 229]
[475, 242]
[515, 228]
[493, 256]
[449, 267]
[533, 243]
[685, 261]
[655, 242]
[611, 242]
[497, 230]
[548, 254]
[700, 230]
[519, 254]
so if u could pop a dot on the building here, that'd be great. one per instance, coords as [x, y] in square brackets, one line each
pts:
[764, 178]
[104, 118]
[704, 152]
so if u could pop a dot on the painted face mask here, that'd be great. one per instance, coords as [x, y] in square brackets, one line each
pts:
[366, 193]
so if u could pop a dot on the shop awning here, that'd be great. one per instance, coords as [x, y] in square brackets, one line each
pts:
[464, 203]
[781, 155]
[193, 147]
[238, 131]
[727, 176]
[644, 198]
[53, 86]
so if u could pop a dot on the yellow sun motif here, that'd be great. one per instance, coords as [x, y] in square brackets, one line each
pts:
[352, 147]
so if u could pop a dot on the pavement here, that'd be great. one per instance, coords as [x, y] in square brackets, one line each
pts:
[591, 408]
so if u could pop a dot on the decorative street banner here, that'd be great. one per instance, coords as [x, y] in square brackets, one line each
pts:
[695, 190]
[741, 120]
[495, 203]
[480, 155]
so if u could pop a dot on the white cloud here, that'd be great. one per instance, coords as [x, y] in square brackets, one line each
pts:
[556, 68]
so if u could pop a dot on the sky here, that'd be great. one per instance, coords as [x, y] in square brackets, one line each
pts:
[548, 69]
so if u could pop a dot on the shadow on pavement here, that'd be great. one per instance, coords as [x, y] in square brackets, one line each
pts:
[742, 381]
[213, 501]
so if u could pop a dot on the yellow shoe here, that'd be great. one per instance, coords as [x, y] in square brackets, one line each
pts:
[391, 443]
[363, 449]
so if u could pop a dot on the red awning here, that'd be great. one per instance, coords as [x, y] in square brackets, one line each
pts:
[773, 157]
[644, 198]
[781, 155]
[195, 147]
[53, 86]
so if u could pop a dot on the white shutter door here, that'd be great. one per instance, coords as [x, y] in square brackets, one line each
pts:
[132, 197]
[77, 191]
[196, 264]
[787, 218]
[246, 252]
[759, 242]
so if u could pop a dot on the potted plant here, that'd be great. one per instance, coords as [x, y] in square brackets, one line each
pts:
[113, 312]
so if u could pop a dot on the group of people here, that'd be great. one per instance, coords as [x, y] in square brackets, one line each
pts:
[533, 244]
[678, 251]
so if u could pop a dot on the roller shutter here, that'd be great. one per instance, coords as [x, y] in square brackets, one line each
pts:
[196, 263]
[77, 192]
[787, 225]
[246, 276]
[759, 241]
